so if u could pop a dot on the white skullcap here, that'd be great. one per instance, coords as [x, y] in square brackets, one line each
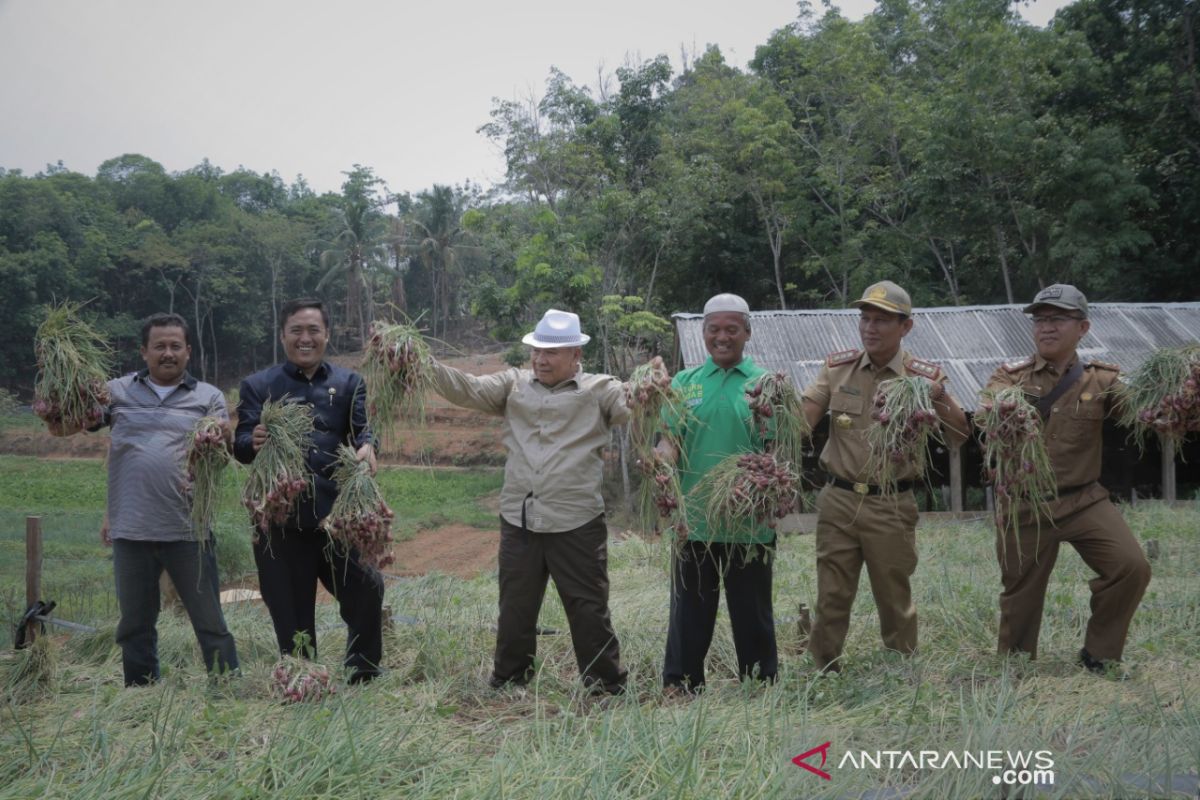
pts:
[726, 302]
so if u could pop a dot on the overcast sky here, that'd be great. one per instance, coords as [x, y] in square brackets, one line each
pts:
[315, 86]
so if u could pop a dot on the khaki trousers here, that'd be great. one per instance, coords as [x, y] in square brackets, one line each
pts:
[880, 532]
[1089, 522]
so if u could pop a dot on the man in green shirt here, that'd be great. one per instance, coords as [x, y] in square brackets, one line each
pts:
[718, 424]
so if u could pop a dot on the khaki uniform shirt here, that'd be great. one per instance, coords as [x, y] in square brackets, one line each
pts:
[555, 437]
[846, 386]
[1073, 429]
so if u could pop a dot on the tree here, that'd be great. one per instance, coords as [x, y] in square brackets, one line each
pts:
[357, 247]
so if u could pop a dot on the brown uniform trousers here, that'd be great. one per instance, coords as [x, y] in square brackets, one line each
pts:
[880, 532]
[1089, 522]
[854, 529]
[1082, 516]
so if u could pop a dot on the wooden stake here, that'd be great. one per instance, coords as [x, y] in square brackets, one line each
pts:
[33, 571]
[1168, 470]
[956, 479]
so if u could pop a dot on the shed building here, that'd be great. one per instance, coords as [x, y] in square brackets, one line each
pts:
[969, 343]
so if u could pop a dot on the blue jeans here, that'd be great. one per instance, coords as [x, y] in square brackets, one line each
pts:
[193, 569]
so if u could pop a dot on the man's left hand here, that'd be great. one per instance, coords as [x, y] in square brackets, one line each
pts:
[367, 453]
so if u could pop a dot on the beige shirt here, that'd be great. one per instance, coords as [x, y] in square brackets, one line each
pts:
[846, 386]
[1073, 429]
[555, 437]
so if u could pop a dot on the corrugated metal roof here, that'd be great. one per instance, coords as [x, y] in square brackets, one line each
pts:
[969, 342]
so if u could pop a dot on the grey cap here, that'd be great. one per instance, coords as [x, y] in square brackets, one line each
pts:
[1060, 295]
[887, 296]
[726, 302]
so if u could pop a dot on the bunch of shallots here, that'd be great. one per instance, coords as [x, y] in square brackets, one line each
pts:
[650, 397]
[73, 361]
[905, 423]
[295, 680]
[661, 498]
[1162, 396]
[747, 488]
[395, 368]
[278, 475]
[778, 414]
[360, 519]
[207, 457]
[1014, 455]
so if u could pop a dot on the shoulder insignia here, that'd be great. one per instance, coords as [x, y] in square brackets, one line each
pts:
[842, 357]
[1018, 365]
[926, 369]
[1103, 365]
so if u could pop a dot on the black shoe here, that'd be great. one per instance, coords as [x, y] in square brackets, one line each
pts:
[1091, 664]
[363, 676]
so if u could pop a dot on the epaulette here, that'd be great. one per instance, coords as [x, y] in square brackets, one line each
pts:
[842, 357]
[1020, 364]
[925, 369]
[1103, 365]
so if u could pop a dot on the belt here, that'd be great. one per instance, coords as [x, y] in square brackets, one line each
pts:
[865, 488]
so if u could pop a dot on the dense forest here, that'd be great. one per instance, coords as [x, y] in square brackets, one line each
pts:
[945, 144]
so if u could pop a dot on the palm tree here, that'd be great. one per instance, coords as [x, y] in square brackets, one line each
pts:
[359, 246]
[439, 243]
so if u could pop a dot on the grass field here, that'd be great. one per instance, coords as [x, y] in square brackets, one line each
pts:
[69, 495]
[431, 728]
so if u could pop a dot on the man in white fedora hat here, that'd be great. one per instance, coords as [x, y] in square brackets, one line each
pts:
[557, 421]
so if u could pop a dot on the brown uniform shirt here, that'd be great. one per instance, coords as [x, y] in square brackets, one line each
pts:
[1073, 429]
[846, 386]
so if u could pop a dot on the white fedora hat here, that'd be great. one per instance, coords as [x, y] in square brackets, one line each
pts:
[557, 329]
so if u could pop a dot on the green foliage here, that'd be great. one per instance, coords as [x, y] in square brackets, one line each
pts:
[945, 144]
[517, 355]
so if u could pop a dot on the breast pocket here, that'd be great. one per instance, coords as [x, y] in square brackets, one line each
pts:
[1087, 417]
[846, 411]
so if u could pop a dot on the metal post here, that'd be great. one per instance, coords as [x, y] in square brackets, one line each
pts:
[33, 570]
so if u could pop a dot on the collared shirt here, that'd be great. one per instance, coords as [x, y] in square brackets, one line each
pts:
[848, 390]
[718, 424]
[1073, 428]
[338, 399]
[555, 437]
[147, 484]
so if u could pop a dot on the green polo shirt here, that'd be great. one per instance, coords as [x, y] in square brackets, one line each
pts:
[718, 424]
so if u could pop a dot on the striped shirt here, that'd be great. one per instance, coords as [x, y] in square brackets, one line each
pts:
[147, 482]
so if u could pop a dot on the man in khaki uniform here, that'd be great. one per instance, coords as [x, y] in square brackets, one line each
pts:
[1073, 396]
[855, 524]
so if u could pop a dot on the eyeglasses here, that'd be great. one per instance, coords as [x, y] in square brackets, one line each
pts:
[1055, 321]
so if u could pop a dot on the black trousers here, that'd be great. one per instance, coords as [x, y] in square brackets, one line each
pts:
[695, 595]
[290, 562]
[577, 560]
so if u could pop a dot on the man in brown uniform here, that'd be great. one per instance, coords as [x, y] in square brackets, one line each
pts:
[1073, 397]
[855, 524]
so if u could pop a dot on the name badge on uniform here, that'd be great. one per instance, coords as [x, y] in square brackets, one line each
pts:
[1085, 396]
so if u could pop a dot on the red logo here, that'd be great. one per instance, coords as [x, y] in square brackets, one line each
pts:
[823, 749]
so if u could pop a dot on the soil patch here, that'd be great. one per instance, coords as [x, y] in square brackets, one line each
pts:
[457, 550]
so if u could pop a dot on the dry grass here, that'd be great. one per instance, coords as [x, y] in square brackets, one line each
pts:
[431, 728]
